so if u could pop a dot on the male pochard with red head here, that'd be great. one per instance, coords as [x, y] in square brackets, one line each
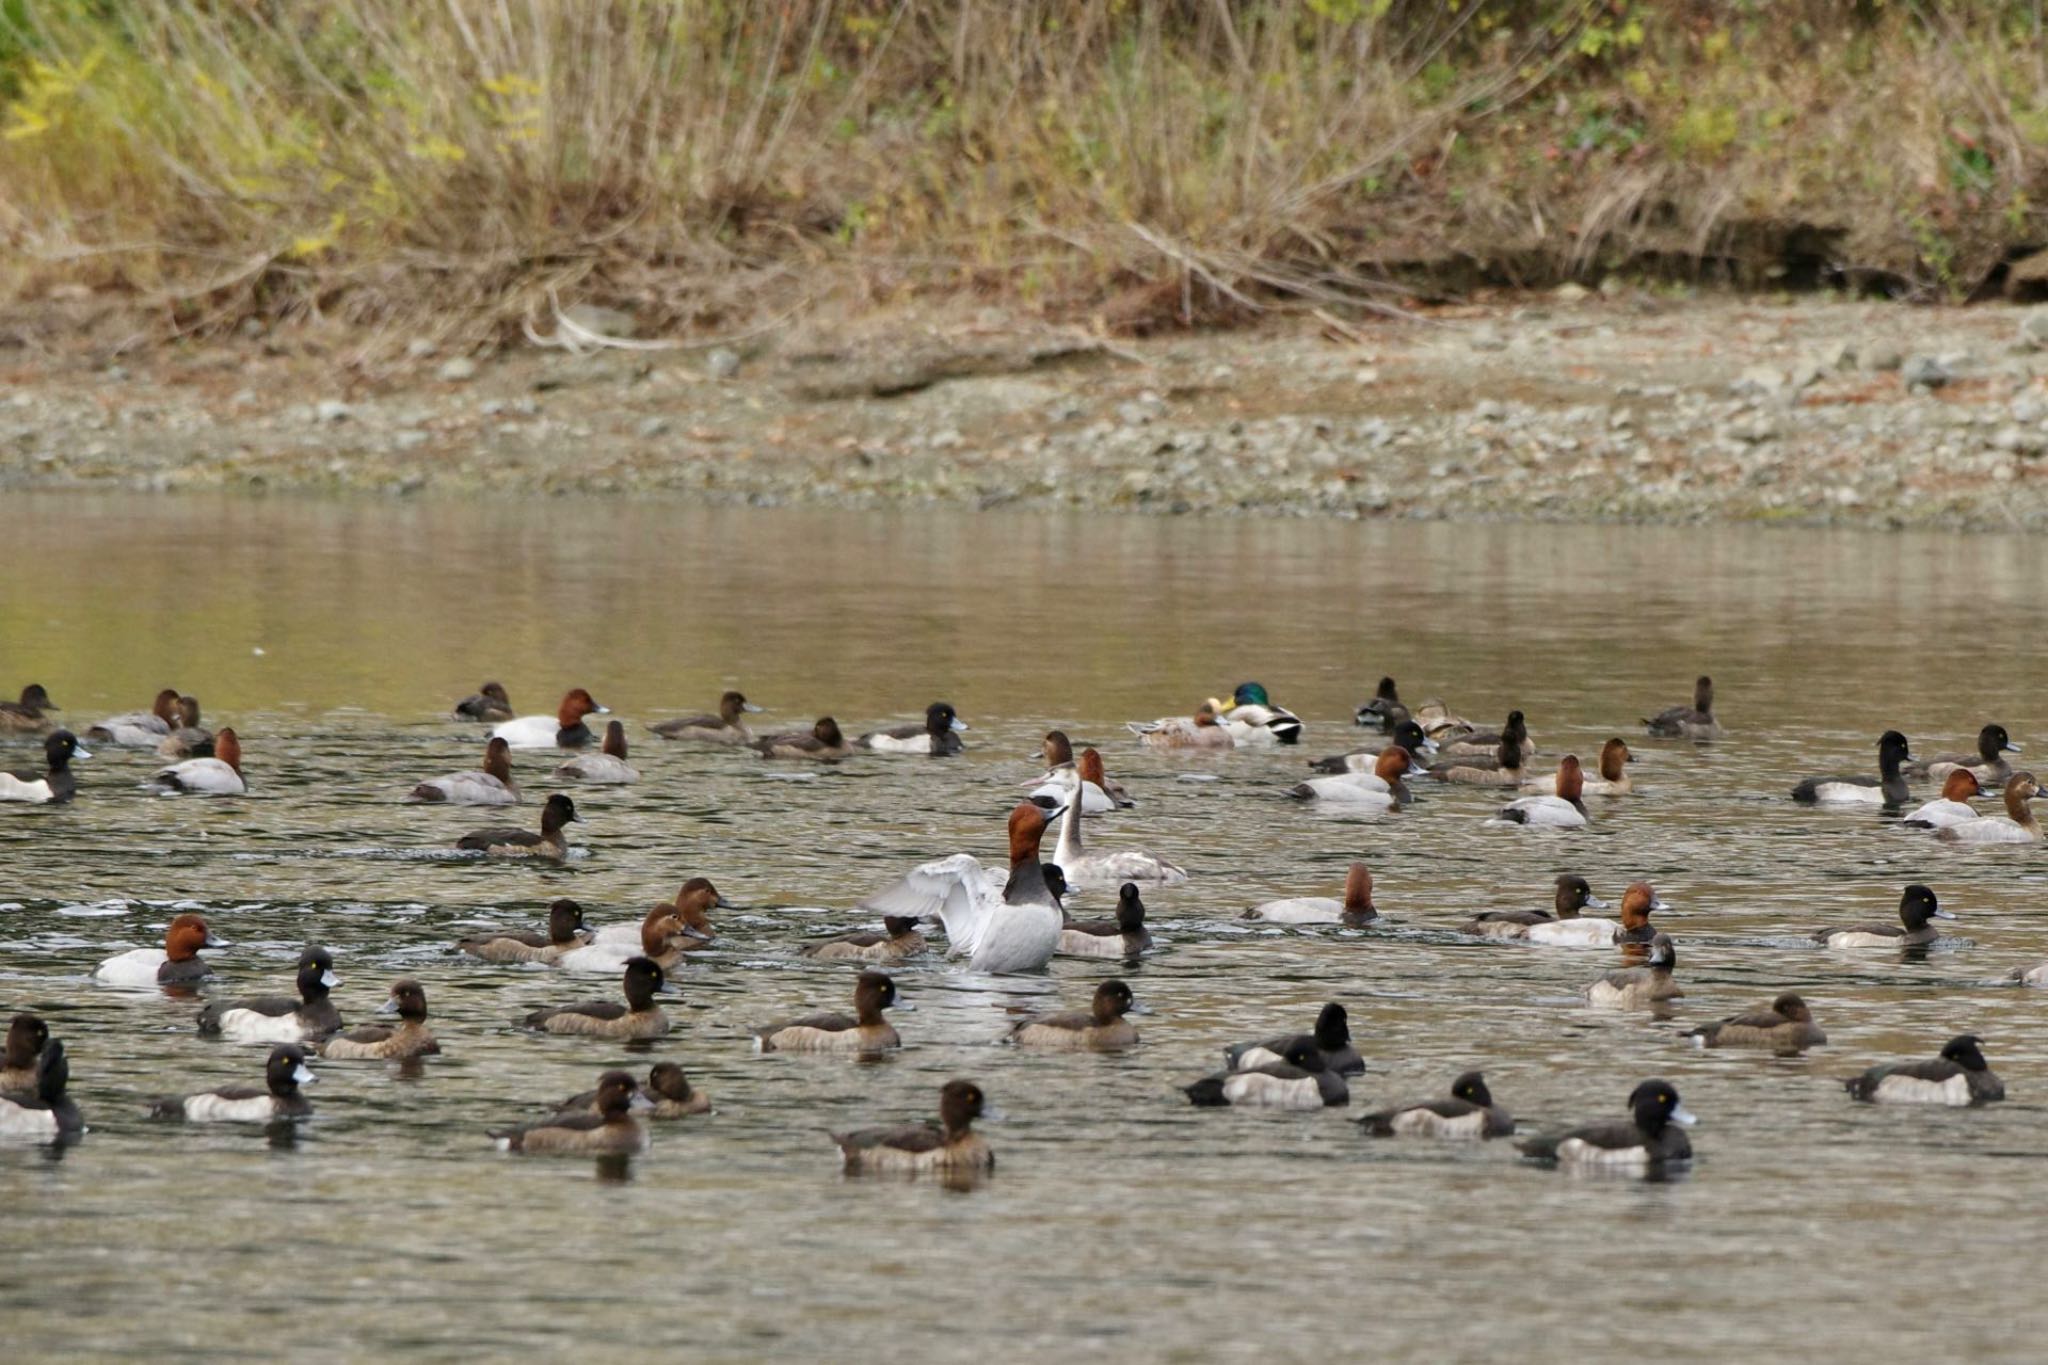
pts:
[1953, 806]
[1355, 910]
[563, 730]
[1384, 787]
[177, 962]
[1014, 928]
[220, 775]
[1564, 810]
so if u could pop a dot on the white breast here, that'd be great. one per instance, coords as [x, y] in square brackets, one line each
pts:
[212, 1108]
[1301, 910]
[248, 1026]
[1019, 938]
[13, 788]
[136, 967]
[529, 732]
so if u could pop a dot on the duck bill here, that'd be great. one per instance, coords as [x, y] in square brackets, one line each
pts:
[692, 931]
[79, 750]
[303, 1075]
[329, 980]
[1945, 914]
[1684, 1117]
[1595, 903]
[958, 724]
[388, 1007]
[752, 709]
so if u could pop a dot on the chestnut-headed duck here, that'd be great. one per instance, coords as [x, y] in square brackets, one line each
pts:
[30, 715]
[1503, 768]
[1487, 744]
[1406, 734]
[1613, 779]
[284, 1071]
[1355, 910]
[726, 727]
[1918, 908]
[1953, 806]
[865, 1030]
[26, 1034]
[55, 783]
[1385, 709]
[220, 775]
[1642, 987]
[1254, 720]
[661, 941]
[176, 963]
[610, 1126]
[1014, 928]
[897, 939]
[638, 1017]
[1573, 894]
[491, 785]
[281, 1018]
[1562, 810]
[1688, 722]
[1101, 1027]
[1888, 788]
[41, 1110]
[1331, 1038]
[822, 743]
[139, 729]
[1111, 867]
[1586, 931]
[950, 1148]
[1200, 731]
[606, 766]
[938, 735]
[1468, 1113]
[188, 738]
[1785, 1026]
[488, 704]
[1988, 764]
[1099, 795]
[410, 1037]
[669, 1090]
[1652, 1138]
[1959, 1078]
[2017, 826]
[1124, 936]
[1381, 789]
[1301, 1079]
[563, 730]
[565, 931]
[692, 905]
[550, 842]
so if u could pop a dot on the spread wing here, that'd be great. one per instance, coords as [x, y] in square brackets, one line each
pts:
[957, 889]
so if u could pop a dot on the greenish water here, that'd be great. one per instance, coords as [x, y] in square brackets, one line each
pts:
[334, 636]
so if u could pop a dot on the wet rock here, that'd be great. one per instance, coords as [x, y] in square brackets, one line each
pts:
[458, 370]
[610, 322]
[419, 348]
[722, 362]
[2034, 329]
[329, 410]
[1880, 357]
[1924, 372]
[652, 427]
[1758, 381]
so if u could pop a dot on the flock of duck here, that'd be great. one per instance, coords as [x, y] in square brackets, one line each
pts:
[1003, 918]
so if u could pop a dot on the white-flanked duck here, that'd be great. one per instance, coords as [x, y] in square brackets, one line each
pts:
[1988, 765]
[563, 730]
[938, 736]
[1254, 720]
[1355, 910]
[55, 783]
[490, 785]
[606, 766]
[1652, 1138]
[2017, 826]
[139, 729]
[1918, 908]
[1468, 1113]
[1959, 1078]
[1383, 788]
[220, 775]
[1099, 795]
[1888, 788]
[1011, 928]
[1562, 810]
[1953, 806]
[1083, 869]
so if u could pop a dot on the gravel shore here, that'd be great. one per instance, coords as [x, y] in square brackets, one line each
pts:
[1626, 407]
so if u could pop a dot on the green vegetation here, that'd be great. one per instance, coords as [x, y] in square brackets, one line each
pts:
[1145, 162]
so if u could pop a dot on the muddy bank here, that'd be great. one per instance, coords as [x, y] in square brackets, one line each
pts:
[1568, 407]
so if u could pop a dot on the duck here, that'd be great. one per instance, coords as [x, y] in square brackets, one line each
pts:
[188, 738]
[1468, 1113]
[725, 727]
[691, 905]
[1381, 789]
[28, 715]
[1011, 927]
[55, 784]
[1083, 869]
[1254, 720]
[138, 729]
[2017, 826]
[1644, 987]
[1953, 806]
[1586, 931]
[662, 932]
[638, 1018]
[550, 842]
[1573, 894]
[375, 1042]
[1385, 708]
[563, 730]
[897, 940]
[488, 704]
[607, 766]
[1439, 722]
[280, 1018]
[1301, 1079]
[609, 1127]
[284, 1071]
[1406, 734]
[1203, 730]
[1917, 907]
[1988, 764]
[1887, 789]
[1502, 769]
[1125, 936]
[220, 775]
[1485, 743]
[42, 1110]
[950, 1148]
[26, 1034]
[565, 931]
[1102, 1027]
[1959, 1078]
[1099, 795]
[1354, 911]
[669, 1090]
[822, 743]
[939, 735]
[865, 1030]
[491, 785]
[1785, 1026]
[1653, 1137]
[1688, 722]
[1562, 810]
[1331, 1039]
[1613, 780]
[176, 963]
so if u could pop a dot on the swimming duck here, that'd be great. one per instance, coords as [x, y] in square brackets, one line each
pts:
[1099, 795]
[26, 1035]
[1987, 765]
[490, 785]
[1502, 769]
[1384, 710]
[1573, 895]
[1887, 789]
[563, 730]
[1200, 731]
[638, 1018]
[1642, 987]
[607, 766]
[897, 940]
[1587, 931]
[2017, 826]
[284, 1071]
[1381, 789]
[938, 736]
[950, 1148]
[1332, 1039]
[1439, 722]
[1613, 779]
[1563, 810]
[188, 738]
[220, 775]
[372, 1042]
[1688, 722]
[1406, 734]
[1785, 1026]
[1469, 1113]
[280, 1018]
[608, 1128]
[1300, 1080]
[822, 742]
[1014, 929]
[1917, 907]
[42, 1110]
[1102, 1027]
[1953, 806]
[662, 935]
[1114, 867]
[724, 728]
[670, 1091]
[692, 906]
[1959, 1077]
[865, 1030]
[488, 703]
[1254, 720]
[1125, 936]
[27, 716]
[1355, 911]
[565, 931]
[55, 784]
[1647, 1141]
[524, 843]
[1487, 743]
[177, 962]
[138, 729]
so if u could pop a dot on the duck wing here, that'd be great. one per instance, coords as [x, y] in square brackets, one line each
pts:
[956, 889]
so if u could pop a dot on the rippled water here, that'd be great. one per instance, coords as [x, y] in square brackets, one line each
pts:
[334, 635]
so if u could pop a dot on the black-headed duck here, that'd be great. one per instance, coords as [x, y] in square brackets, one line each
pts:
[410, 1037]
[1385, 709]
[281, 1018]
[563, 730]
[30, 715]
[726, 727]
[26, 1034]
[1959, 1078]
[565, 931]
[139, 729]
[42, 1110]
[54, 783]
[865, 1030]
[952, 1147]
[1573, 894]
[490, 785]
[1688, 722]
[1918, 908]
[638, 1017]
[822, 743]
[1643, 987]
[2017, 826]
[1988, 764]
[550, 842]
[1888, 788]
[669, 1090]
[897, 939]
[1101, 1027]
[607, 766]
[1406, 735]
[1355, 910]
[1469, 1112]
[1489, 744]
[177, 962]
[1124, 936]
[220, 775]
[1785, 1026]
[610, 1127]
[284, 1071]
[1301, 1079]
[488, 703]
[1652, 1137]
[938, 735]
[1331, 1038]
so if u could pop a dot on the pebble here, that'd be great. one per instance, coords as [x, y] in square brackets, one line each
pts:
[1924, 372]
[2034, 328]
[722, 362]
[457, 370]
[333, 410]
[1880, 357]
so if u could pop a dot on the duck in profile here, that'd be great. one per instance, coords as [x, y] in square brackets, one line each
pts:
[565, 931]
[410, 1037]
[609, 1128]
[43, 1110]
[281, 1018]
[822, 743]
[1487, 745]
[1887, 789]
[726, 727]
[1083, 869]
[1638, 901]
[1688, 722]
[1406, 735]
[938, 736]
[490, 785]
[1099, 795]
[1503, 768]
[176, 963]
[550, 842]
[1644, 987]
[30, 715]
[1573, 894]
[1468, 1113]
[1254, 720]
[1785, 1026]
[1124, 936]
[1354, 911]
[1959, 1078]
[1612, 781]
[639, 1017]
[1918, 908]
[1383, 709]
[1203, 730]
[1380, 790]
[2017, 826]
[952, 1147]
[1988, 765]
[897, 940]
[1301, 1079]
[606, 766]
[55, 784]
[563, 730]
[1331, 1038]
[1564, 810]
[1101, 1027]
[670, 1091]
[139, 729]
[284, 1071]
[1953, 806]
[865, 1030]
[488, 703]
[1011, 928]
[220, 775]
[1653, 1137]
